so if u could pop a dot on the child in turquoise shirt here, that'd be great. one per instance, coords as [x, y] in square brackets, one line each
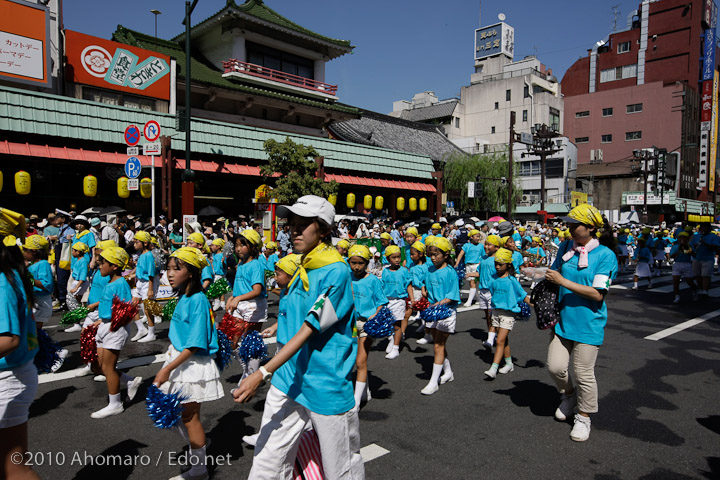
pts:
[397, 285]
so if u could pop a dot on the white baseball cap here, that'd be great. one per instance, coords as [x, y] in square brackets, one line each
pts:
[309, 206]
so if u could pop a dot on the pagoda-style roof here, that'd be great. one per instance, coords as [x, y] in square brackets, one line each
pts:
[254, 15]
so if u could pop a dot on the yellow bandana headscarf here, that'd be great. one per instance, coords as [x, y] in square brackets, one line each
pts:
[197, 237]
[360, 251]
[289, 263]
[191, 255]
[271, 246]
[12, 225]
[343, 244]
[319, 257]
[419, 246]
[473, 232]
[253, 237]
[219, 242]
[430, 240]
[536, 239]
[503, 256]
[436, 226]
[391, 249]
[587, 215]
[442, 243]
[36, 242]
[80, 247]
[116, 255]
[143, 236]
[494, 240]
[385, 236]
[412, 231]
[106, 244]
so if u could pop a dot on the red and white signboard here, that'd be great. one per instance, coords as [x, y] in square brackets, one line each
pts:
[151, 131]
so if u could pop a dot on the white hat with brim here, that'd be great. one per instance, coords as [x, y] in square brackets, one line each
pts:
[309, 206]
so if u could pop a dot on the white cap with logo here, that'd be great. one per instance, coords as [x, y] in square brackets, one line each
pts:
[309, 206]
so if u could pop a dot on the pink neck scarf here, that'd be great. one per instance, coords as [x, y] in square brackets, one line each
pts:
[583, 251]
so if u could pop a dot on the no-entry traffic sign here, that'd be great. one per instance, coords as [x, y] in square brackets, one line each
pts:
[132, 135]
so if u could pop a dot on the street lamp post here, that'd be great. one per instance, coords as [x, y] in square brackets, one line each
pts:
[188, 176]
[156, 12]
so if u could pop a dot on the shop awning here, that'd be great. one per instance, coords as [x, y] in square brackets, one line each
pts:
[98, 156]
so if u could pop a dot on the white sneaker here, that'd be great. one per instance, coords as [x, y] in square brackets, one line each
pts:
[108, 411]
[581, 429]
[487, 345]
[59, 362]
[677, 299]
[85, 370]
[150, 337]
[157, 319]
[390, 345]
[74, 328]
[132, 387]
[140, 334]
[491, 373]
[430, 388]
[468, 303]
[507, 368]
[634, 287]
[393, 354]
[447, 378]
[251, 439]
[99, 378]
[566, 407]
[427, 339]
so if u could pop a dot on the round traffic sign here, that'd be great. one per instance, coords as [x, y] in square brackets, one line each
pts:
[132, 135]
[151, 131]
[133, 167]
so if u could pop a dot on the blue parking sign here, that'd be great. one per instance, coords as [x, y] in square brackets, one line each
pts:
[133, 167]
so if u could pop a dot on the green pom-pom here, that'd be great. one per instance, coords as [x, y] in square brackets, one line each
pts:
[74, 316]
[169, 309]
[219, 288]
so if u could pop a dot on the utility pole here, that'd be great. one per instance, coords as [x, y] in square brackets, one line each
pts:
[645, 156]
[511, 165]
[543, 145]
[188, 176]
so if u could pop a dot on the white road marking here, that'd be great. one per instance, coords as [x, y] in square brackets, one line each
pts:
[80, 372]
[372, 451]
[466, 309]
[682, 326]
[628, 285]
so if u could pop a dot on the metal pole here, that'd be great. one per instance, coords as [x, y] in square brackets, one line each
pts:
[543, 154]
[152, 198]
[511, 164]
[188, 176]
[645, 176]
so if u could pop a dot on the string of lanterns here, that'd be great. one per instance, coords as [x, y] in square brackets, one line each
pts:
[412, 203]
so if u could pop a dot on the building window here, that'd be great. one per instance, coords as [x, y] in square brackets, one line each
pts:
[582, 139]
[607, 112]
[607, 138]
[278, 60]
[457, 122]
[633, 136]
[623, 47]
[507, 95]
[634, 108]
[618, 73]
[497, 105]
[527, 169]
[584, 114]
[526, 91]
[492, 129]
[555, 119]
[122, 99]
[525, 116]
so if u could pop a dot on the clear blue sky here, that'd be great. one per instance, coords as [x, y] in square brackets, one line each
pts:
[402, 46]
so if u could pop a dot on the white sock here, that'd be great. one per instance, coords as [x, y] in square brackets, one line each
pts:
[437, 370]
[359, 390]
[140, 325]
[491, 337]
[114, 400]
[125, 378]
[471, 296]
[151, 330]
[635, 284]
[396, 348]
[198, 461]
[446, 367]
[182, 431]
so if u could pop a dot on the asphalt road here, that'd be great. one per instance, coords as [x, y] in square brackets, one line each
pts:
[659, 411]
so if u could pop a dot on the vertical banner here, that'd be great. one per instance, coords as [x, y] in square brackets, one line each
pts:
[704, 148]
[713, 135]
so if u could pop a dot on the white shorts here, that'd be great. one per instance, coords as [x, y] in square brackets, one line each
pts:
[92, 317]
[703, 268]
[360, 327]
[503, 319]
[417, 293]
[643, 270]
[217, 277]
[252, 311]
[142, 288]
[72, 283]
[445, 325]
[471, 268]
[484, 299]
[43, 309]
[397, 307]
[17, 391]
[198, 378]
[682, 269]
[108, 340]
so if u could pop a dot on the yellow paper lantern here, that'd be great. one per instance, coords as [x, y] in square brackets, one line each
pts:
[423, 204]
[90, 186]
[122, 187]
[400, 204]
[367, 202]
[146, 188]
[1, 181]
[379, 201]
[350, 200]
[332, 198]
[22, 182]
[412, 204]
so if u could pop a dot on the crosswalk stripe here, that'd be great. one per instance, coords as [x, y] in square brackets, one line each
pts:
[372, 451]
[682, 326]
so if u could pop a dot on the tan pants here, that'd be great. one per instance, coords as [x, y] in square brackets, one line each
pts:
[583, 358]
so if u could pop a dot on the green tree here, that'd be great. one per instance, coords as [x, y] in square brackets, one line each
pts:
[292, 168]
[491, 196]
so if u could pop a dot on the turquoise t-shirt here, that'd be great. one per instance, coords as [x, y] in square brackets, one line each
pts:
[88, 239]
[119, 288]
[473, 252]
[319, 375]
[517, 260]
[42, 271]
[218, 264]
[270, 261]
[206, 274]
[193, 325]
[537, 251]
[79, 271]
[506, 293]
[700, 244]
[581, 319]
[441, 284]
[419, 274]
[16, 319]
[517, 239]
[145, 269]
[487, 271]
[408, 261]
[249, 274]
[368, 294]
[643, 255]
[97, 285]
[395, 282]
[682, 257]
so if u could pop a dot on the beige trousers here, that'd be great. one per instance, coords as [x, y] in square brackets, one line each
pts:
[583, 359]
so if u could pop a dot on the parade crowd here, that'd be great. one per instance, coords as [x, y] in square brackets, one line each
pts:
[342, 283]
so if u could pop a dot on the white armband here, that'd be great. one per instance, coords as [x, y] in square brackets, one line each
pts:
[601, 282]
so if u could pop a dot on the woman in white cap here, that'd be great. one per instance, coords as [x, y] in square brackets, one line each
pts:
[311, 373]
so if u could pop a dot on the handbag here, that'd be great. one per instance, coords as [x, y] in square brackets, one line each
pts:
[545, 299]
[65, 256]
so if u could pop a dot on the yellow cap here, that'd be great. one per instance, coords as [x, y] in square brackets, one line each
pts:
[219, 242]
[289, 263]
[473, 232]
[80, 247]
[412, 231]
[343, 244]
[627, 230]
[587, 214]
[521, 229]
[36, 242]
[360, 251]
[253, 237]
[430, 240]
[116, 255]
[143, 236]
[106, 244]
[507, 239]
[391, 249]
[191, 255]
[271, 246]
[536, 239]
[442, 243]
[494, 240]
[436, 226]
[197, 237]
[12, 223]
[419, 246]
[683, 234]
[503, 256]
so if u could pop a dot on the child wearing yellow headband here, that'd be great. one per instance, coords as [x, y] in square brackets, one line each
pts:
[78, 276]
[471, 253]
[369, 298]
[197, 240]
[411, 236]
[219, 268]
[112, 262]
[485, 274]
[535, 253]
[397, 287]
[342, 247]
[643, 258]
[506, 293]
[270, 256]
[442, 288]
[147, 283]
[189, 367]
[418, 273]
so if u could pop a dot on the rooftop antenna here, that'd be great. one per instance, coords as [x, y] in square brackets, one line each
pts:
[480, 13]
[616, 14]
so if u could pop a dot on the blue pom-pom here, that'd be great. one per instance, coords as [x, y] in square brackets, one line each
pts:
[223, 356]
[165, 409]
[252, 347]
[382, 325]
[48, 352]
[438, 312]
[460, 270]
[524, 310]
